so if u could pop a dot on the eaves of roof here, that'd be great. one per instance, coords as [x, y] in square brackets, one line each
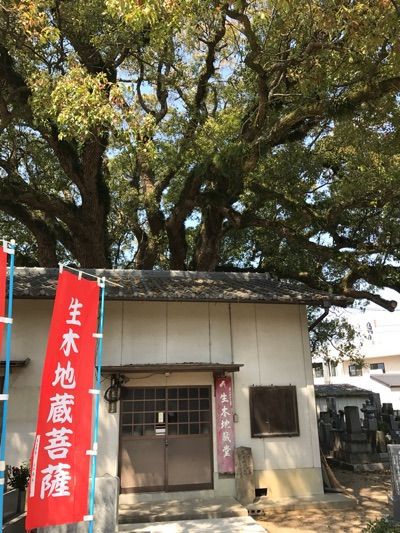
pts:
[182, 286]
[389, 380]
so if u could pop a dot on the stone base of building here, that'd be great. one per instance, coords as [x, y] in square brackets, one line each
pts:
[288, 483]
[285, 483]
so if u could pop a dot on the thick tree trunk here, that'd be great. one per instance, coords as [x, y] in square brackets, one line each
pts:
[207, 254]
[177, 244]
[47, 250]
[91, 253]
[146, 256]
[90, 242]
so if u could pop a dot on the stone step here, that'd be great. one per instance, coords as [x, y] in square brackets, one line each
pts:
[212, 525]
[132, 498]
[173, 510]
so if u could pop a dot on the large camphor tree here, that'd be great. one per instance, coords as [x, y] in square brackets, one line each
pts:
[202, 135]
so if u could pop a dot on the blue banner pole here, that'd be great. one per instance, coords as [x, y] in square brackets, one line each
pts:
[10, 248]
[102, 284]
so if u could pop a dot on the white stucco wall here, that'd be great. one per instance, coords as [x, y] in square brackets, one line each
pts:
[270, 340]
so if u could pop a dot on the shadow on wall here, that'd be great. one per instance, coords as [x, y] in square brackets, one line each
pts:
[108, 437]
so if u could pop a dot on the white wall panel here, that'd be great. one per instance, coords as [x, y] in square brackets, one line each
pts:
[188, 333]
[280, 345]
[220, 333]
[29, 335]
[309, 392]
[144, 332]
[245, 351]
[112, 351]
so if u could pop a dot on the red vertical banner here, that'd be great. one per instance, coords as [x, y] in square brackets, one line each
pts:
[3, 275]
[60, 465]
[225, 428]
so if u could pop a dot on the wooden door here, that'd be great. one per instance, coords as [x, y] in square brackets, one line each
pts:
[166, 439]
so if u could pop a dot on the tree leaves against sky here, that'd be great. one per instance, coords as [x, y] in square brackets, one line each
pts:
[190, 134]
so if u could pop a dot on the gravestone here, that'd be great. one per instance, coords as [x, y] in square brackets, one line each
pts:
[325, 416]
[370, 418]
[355, 447]
[330, 427]
[391, 422]
[106, 510]
[331, 404]
[375, 400]
[325, 436]
[353, 423]
[387, 408]
[244, 475]
[394, 459]
[370, 423]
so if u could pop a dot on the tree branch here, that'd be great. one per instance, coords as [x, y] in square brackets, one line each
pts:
[303, 119]
[389, 305]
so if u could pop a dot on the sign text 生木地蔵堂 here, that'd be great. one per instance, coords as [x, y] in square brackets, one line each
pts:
[225, 428]
[60, 464]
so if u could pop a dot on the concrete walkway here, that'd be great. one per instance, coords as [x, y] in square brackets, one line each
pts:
[178, 510]
[240, 524]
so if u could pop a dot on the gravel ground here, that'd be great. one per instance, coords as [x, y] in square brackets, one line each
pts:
[371, 491]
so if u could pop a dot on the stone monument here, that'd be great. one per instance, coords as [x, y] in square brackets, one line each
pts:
[244, 475]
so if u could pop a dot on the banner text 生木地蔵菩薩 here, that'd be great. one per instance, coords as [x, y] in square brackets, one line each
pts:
[60, 465]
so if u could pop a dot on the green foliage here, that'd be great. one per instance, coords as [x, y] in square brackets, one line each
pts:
[382, 525]
[335, 338]
[18, 476]
[76, 102]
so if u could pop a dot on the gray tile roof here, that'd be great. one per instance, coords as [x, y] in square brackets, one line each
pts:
[175, 285]
[390, 380]
[337, 390]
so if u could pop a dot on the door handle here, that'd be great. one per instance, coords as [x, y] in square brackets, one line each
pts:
[166, 444]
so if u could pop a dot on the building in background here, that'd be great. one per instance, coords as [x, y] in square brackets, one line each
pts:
[343, 394]
[380, 372]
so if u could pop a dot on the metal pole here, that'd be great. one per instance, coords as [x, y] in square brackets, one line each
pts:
[97, 405]
[6, 386]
